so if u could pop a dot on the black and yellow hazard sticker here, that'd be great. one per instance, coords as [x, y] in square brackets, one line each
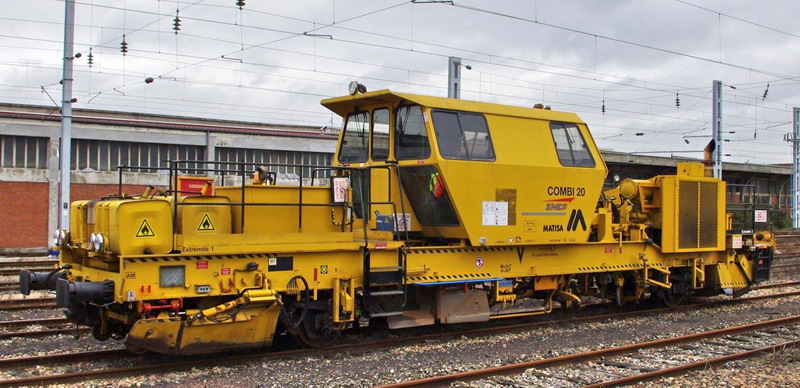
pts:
[145, 230]
[206, 224]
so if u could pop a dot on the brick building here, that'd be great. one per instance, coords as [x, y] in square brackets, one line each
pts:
[29, 146]
[29, 168]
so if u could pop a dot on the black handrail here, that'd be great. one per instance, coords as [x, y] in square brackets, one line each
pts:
[316, 170]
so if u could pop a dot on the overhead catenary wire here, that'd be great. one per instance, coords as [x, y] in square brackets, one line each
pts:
[564, 91]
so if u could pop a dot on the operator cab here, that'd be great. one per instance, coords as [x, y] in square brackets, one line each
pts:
[472, 172]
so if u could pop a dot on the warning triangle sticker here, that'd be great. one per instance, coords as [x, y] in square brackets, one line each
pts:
[206, 224]
[145, 230]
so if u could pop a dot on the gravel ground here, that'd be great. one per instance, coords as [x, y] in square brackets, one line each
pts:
[381, 366]
[781, 369]
[364, 368]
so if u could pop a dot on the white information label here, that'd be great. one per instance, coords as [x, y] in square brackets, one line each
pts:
[495, 213]
[402, 222]
[736, 241]
[501, 213]
[340, 186]
[761, 216]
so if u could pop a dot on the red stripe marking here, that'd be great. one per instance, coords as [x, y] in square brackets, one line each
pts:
[570, 199]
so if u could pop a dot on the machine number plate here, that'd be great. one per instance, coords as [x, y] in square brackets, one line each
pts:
[203, 289]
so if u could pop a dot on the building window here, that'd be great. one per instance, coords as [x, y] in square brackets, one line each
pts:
[104, 155]
[287, 164]
[23, 151]
[570, 145]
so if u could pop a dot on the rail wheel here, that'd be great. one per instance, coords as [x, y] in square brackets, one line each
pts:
[671, 298]
[318, 339]
[101, 333]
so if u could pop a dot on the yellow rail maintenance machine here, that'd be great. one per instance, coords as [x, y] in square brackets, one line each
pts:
[437, 211]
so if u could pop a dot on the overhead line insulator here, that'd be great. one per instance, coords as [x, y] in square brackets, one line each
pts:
[176, 23]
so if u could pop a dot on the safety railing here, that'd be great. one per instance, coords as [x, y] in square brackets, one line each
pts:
[242, 168]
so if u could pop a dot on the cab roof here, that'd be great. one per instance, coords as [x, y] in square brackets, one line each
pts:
[346, 104]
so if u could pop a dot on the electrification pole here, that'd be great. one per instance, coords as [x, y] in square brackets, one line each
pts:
[66, 112]
[454, 77]
[717, 135]
[795, 168]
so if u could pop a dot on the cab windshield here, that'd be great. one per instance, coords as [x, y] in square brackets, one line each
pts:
[355, 140]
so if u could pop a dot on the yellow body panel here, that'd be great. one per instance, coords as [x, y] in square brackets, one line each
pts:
[79, 227]
[205, 220]
[136, 227]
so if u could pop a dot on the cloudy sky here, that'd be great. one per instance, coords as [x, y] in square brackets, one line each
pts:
[274, 61]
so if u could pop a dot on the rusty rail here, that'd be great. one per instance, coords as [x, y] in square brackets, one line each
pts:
[583, 356]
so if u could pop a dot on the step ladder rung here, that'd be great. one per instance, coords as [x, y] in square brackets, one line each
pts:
[386, 314]
[383, 269]
[383, 293]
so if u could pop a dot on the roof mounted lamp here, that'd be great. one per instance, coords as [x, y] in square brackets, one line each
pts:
[356, 87]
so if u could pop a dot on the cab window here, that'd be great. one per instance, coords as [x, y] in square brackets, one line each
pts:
[462, 135]
[411, 139]
[355, 142]
[380, 135]
[570, 145]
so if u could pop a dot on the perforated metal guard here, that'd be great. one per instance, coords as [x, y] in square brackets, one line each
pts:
[172, 276]
[697, 214]
[708, 214]
[687, 214]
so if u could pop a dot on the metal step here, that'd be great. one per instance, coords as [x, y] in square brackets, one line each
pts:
[382, 293]
[383, 269]
[386, 314]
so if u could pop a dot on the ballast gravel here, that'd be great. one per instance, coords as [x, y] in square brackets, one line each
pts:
[371, 367]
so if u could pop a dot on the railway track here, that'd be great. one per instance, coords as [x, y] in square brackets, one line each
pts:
[9, 286]
[755, 337]
[190, 362]
[14, 271]
[12, 268]
[45, 327]
[27, 304]
[50, 330]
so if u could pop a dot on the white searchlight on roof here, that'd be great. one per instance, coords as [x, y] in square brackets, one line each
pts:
[355, 87]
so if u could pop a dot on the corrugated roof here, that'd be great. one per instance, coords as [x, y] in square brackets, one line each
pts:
[173, 123]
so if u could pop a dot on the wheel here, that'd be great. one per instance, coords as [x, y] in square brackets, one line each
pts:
[670, 298]
[317, 331]
[99, 334]
[316, 339]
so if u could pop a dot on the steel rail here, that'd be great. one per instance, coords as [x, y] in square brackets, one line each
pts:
[593, 354]
[28, 322]
[695, 365]
[17, 263]
[54, 359]
[24, 304]
[193, 362]
[44, 332]
[15, 270]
